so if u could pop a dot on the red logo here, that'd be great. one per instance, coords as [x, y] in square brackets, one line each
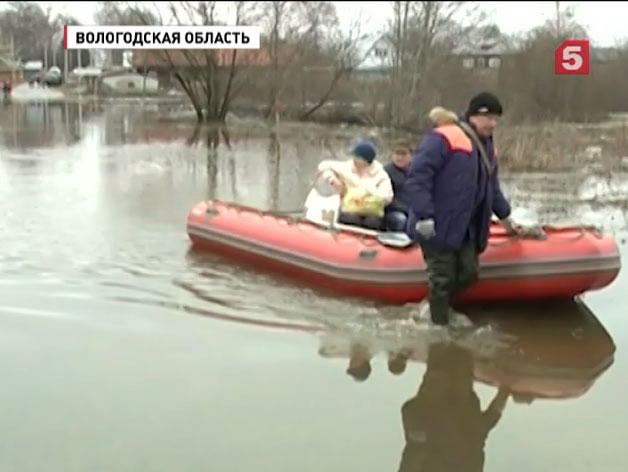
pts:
[572, 57]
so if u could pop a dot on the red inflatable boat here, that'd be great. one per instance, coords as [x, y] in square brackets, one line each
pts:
[567, 262]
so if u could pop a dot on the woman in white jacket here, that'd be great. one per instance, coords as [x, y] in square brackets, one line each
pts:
[364, 185]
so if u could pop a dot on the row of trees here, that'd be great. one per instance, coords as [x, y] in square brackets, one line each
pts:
[313, 66]
[297, 36]
[426, 72]
[37, 34]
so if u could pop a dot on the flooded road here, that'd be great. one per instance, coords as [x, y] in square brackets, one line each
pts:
[121, 350]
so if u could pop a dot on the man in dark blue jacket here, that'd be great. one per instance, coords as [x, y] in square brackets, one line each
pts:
[452, 191]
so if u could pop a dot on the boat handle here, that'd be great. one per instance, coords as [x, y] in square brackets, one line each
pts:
[368, 254]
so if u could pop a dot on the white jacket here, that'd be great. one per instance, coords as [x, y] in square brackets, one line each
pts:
[374, 179]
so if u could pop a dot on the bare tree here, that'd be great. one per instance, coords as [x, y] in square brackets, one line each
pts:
[33, 31]
[209, 77]
[293, 33]
[419, 32]
[535, 92]
[343, 56]
[126, 14]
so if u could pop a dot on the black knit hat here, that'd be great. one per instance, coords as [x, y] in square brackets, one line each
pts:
[483, 104]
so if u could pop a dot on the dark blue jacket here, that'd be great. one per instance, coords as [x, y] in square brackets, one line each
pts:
[398, 179]
[447, 181]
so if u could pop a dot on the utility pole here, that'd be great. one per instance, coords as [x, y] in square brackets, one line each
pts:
[65, 66]
[558, 32]
[13, 60]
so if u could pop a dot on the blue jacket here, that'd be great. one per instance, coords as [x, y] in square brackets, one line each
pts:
[447, 181]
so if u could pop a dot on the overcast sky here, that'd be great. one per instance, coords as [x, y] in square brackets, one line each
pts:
[605, 21]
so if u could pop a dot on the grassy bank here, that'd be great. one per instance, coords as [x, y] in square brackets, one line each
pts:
[559, 146]
[544, 147]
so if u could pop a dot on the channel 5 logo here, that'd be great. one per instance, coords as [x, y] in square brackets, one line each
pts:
[572, 57]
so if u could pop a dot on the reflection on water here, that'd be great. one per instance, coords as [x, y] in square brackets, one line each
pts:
[546, 351]
[43, 124]
[108, 317]
[538, 350]
[444, 425]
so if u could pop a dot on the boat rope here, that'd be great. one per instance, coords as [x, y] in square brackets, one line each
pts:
[539, 232]
[336, 232]
[373, 241]
[289, 216]
[583, 229]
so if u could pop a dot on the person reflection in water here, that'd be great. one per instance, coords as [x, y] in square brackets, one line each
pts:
[444, 426]
[398, 360]
[359, 362]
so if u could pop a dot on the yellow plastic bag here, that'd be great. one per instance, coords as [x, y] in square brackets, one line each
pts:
[357, 201]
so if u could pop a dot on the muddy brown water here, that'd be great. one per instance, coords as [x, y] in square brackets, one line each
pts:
[122, 350]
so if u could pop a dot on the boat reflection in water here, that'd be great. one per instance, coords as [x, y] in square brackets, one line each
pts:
[528, 355]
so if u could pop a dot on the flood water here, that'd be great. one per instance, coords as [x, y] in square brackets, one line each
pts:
[121, 350]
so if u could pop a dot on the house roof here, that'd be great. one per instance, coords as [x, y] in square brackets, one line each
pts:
[487, 48]
[604, 54]
[33, 65]
[365, 50]
[87, 71]
[8, 64]
[200, 58]
[601, 54]
[370, 62]
[484, 41]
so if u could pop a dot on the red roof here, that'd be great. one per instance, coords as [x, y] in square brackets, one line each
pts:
[203, 57]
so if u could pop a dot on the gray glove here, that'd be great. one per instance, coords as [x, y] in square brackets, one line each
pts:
[425, 228]
[509, 226]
